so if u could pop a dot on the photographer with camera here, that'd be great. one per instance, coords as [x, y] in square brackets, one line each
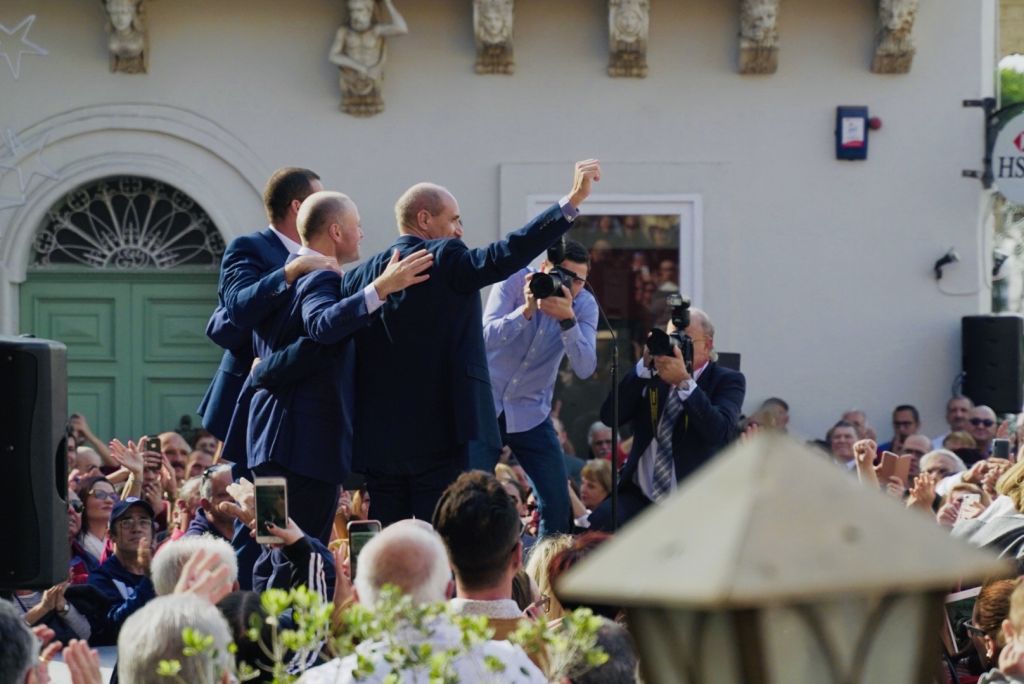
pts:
[533, 320]
[683, 407]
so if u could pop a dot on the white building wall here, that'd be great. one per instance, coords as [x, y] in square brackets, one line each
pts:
[818, 271]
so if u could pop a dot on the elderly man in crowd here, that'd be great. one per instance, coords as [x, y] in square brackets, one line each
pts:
[906, 421]
[209, 518]
[123, 579]
[412, 557]
[958, 412]
[841, 438]
[982, 426]
[915, 446]
[171, 559]
[859, 420]
[175, 449]
[154, 634]
[599, 438]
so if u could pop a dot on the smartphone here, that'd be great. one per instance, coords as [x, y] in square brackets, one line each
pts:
[1001, 448]
[964, 500]
[271, 506]
[887, 466]
[153, 444]
[959, 608]
[359, 533]
[902, 469]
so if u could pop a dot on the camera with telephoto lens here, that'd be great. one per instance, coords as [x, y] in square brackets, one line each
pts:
[550, 284]
[661, 343]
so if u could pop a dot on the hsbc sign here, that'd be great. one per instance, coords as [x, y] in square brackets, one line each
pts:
[1008, 160]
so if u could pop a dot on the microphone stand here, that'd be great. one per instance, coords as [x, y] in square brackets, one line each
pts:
[615, 410]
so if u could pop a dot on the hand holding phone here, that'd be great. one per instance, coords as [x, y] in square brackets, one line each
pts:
[153, 444]
[271, 507]
[360, 532]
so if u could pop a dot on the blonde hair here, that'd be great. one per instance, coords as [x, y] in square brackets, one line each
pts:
[599, 471]
[1016, 614]
[537, 568]
[1011, 484]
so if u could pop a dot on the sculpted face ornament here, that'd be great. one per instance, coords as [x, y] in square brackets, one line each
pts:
[759, 36]
[128, 43]
[492, 27]
[628, 26]
[894, 49]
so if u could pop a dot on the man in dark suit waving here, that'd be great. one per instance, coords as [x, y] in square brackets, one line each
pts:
[423, 388]
[696, 416]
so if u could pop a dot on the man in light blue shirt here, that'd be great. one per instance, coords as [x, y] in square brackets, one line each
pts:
[526, 338]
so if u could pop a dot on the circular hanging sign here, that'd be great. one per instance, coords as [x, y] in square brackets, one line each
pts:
[1008, 160]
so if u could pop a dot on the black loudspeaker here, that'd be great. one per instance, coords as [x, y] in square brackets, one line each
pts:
[33, 416]
[993, 361]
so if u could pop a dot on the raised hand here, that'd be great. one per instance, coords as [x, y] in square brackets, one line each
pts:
[129, 456]
[402, 273]
[530, 302]
[83, 663]
[205, 576]
[244, 505]
[587, 173]
[922, 493]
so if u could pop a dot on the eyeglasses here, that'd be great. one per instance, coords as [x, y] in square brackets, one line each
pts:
[944, 472]
[982, 421]
[916, 452]
[129, 523]
[973, 629]
[902, 423]
[76, 505]
[598, 442]
[105, 496]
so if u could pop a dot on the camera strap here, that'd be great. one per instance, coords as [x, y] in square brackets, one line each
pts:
[652, 393]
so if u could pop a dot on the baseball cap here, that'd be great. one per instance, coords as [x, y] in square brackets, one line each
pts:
[122, 507]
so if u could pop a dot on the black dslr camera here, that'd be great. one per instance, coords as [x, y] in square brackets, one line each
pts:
[550, 284]
[661, 343]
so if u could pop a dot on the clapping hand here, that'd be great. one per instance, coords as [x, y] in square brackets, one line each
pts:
[83, 663]
[922, 493]
[244, 505]
[129, 457]
[205, 576]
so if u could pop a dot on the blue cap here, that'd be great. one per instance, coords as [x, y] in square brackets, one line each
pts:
[122, 506]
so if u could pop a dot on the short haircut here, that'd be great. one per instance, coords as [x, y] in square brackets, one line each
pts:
[19, 648]
[576, 252]
[775, 401]
[199, 434]
[172, 556]
[600, 471]
[319, 211]
[620, 668]
[840, 424]
[286, 185]
[907, 407]
[421, 196]
[479, 524]
[959, 397]
[594, 429]
[206, 484]
[154, 633]
[936, 454]
[408, 556]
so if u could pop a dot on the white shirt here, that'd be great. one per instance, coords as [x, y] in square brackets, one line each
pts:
[645, 467]
[443, 635]
[370, 296]
[292, 246]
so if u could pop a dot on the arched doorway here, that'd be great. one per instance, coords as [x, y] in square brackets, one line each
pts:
[123, 271]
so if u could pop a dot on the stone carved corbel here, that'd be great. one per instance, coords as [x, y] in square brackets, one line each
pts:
[360, 53]
[492, 26]
[759, 36]
[128, 42]
[894, 49]
[628, 27]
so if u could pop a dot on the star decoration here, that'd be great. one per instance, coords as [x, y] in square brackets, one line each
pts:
[8, 201]
[26, 47]
[32, 166]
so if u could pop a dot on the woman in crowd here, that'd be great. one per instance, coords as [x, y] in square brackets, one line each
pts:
[985, 627]
[82, 563]
[537, 568]
[98, 499]
[596, 483]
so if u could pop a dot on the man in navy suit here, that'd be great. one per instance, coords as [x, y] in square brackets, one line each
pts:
[254, 283]
[422, 385]
[303, 431]
[696, 416]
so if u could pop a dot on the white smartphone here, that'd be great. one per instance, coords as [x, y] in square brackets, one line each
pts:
[964, 500]
[271, 507]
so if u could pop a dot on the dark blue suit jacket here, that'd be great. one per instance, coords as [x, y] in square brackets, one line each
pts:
[707, 423]
[306, 427]
[251, 286]
[424, 387]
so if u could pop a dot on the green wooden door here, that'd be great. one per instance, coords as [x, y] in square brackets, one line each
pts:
[138, 356]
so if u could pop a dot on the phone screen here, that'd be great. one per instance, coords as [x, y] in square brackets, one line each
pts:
[1001, 448]
[359, 535]
[271, 506]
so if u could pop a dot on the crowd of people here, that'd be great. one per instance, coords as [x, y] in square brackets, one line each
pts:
[436, 414]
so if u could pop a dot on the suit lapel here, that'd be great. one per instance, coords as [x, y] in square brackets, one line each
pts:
[275, 245]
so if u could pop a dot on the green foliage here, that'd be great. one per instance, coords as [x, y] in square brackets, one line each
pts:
[399, 633]
[1011, 87]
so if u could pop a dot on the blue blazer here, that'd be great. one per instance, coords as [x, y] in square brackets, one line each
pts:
[306, 427]
[706, 425]
[424, 388]
[251, 286]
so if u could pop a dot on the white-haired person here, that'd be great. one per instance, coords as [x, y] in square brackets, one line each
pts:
[413, 558]
[154, 634]
[170, 560]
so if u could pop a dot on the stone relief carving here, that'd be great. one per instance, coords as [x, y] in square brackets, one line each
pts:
[894, 51]
[759, 36]
[628, 26]
[492, 26]
[360, 53]
[127, 29]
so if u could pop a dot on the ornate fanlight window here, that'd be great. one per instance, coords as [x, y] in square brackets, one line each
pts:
[127, 222]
